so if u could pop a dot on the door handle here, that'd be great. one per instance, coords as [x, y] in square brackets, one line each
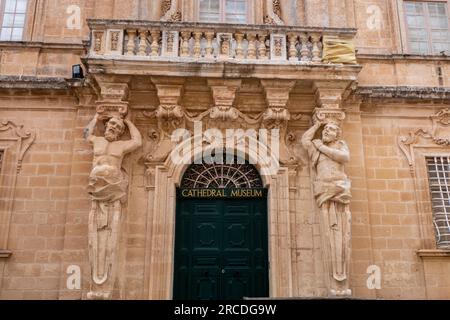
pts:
[223, 271]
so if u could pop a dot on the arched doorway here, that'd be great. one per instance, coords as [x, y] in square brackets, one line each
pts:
[221, 236]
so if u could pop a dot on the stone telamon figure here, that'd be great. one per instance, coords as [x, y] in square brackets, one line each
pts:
[108, 184]
[332, 192]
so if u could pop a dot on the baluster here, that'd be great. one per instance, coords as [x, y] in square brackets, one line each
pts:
[262, 50]
[239, 48]
[316, 57]
[209, 47]
[185, 35]
[197, 46]
[292, 47]
[143, 42]
[251, 51]
[304, 52]
[130, 44]
[155, 43]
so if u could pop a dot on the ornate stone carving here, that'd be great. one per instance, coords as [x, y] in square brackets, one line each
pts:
[330, 115]
[98, 41]
[328, 156]
[108, 183]
[112, 100]
[277, 116]
[273, 16]
[25, 137]
[170, 12]
[114, 40]
[406, 143]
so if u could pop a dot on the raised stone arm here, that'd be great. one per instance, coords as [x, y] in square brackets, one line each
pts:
[308, 136]
[341, 155]
[136, 138]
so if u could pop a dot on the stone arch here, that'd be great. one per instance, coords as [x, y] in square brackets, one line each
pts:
[161, 232]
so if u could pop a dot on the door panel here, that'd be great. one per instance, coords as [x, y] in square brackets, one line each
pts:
[221, 249]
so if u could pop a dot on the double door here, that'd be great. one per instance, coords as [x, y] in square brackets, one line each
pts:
[221, 249]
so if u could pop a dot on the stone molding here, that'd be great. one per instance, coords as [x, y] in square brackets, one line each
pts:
[4, 254]
[407, 143]
[15, 141]
[429, 254]
[403, 92]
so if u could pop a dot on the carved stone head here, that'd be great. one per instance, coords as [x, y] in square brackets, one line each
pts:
[331, 133]
[115, 127]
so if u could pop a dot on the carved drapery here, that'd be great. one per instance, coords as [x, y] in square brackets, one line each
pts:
[406, 143]
[169, 11]
[273, 16]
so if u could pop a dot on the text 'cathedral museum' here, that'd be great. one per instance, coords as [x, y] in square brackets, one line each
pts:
[224, 149]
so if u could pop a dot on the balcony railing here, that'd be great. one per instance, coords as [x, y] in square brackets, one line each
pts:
[120, 39]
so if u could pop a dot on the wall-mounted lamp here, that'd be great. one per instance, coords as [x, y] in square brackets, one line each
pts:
[77, 72]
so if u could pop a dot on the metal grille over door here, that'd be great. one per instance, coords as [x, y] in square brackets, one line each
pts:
[238, 175]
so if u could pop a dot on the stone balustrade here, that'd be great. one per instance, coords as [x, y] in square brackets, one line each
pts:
[120, 39]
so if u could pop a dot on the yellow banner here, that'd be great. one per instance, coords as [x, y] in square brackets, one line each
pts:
[337, 50]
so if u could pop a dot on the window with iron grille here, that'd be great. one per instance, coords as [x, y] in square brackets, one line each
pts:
[12, 19]
[439, 180]
[427, 26]
[223, 11]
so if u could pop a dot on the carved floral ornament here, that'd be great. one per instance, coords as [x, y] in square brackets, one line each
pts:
[172, 117]
[406, 143]
[9, 130]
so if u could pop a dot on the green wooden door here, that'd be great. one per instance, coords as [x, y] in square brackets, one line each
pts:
[221, 249]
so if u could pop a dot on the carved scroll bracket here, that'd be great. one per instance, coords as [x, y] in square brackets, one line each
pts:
[406, 143]
[277, 116]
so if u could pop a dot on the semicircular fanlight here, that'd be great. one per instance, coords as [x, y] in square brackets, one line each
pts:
[238, 175]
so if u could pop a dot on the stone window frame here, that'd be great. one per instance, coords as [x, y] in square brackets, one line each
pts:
[417, 145]
[223, 12]
[443, 182]
[403, 26]
[255, 11]
[15, 141]
[25, 27]
[422, 192]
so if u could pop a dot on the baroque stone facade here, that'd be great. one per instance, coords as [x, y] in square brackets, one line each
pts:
[89, 207]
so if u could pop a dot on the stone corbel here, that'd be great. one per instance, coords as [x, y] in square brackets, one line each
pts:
[407, 143]
[113, 100]
[329, 95]
[223, 112]
[277, 116]
[169, 10]
[273, 16]
[170, 116]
